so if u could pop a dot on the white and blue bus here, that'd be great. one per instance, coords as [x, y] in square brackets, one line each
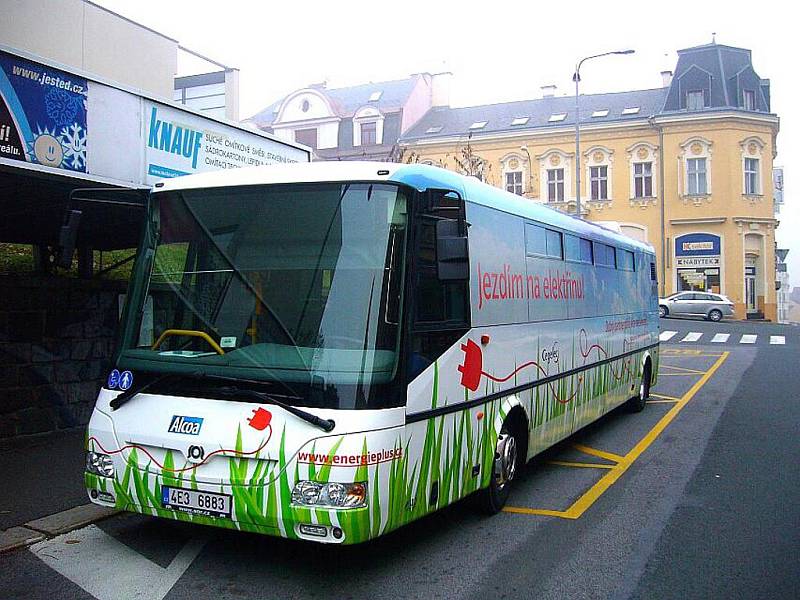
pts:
[329, 351]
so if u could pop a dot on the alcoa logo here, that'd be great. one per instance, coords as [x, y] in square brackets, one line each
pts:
[187, 425]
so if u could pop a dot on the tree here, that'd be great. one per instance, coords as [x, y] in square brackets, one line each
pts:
[469, 163]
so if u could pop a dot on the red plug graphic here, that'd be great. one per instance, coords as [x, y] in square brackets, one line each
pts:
[260, 419]
[471, 368]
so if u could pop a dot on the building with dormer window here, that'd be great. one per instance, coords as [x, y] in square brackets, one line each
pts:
[361, 122]
[686, 167]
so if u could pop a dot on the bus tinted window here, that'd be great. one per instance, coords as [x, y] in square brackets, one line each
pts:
[553, 243]
[604, 255]
[586, 251]
[535, 240]
[572, 247]
[625, 260]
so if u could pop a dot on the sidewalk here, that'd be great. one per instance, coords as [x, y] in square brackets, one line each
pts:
[41, 476]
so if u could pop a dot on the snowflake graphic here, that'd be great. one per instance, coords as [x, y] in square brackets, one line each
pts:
[61, 106]
[73, 139]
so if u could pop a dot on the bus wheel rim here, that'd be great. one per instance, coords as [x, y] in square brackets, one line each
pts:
[506, 460]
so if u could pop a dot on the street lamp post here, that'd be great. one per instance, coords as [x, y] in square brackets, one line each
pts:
[577, 79]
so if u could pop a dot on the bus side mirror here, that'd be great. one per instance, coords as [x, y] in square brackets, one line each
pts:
[452, 251]
[67, 236]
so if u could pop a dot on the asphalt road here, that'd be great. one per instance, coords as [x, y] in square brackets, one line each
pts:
[704, 506]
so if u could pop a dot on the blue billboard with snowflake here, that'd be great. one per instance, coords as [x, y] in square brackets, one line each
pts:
[42, 114]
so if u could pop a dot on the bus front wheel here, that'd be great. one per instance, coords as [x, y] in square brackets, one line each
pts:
[504, 470]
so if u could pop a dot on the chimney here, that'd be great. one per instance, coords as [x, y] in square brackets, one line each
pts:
[440, 89]
[666, 78]
[548, 91]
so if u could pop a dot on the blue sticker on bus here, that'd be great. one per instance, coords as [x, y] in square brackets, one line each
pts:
[125, 380]
[187, 425]
[113, 380]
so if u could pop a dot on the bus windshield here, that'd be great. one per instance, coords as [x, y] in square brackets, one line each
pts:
[299, 284]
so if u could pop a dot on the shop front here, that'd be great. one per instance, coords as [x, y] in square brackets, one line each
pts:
[697, 262]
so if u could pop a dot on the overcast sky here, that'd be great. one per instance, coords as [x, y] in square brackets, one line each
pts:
[497, 51]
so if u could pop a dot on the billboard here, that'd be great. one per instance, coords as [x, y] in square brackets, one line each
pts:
[46, 115]
[180, 143]
[42, 114]
[777, 184]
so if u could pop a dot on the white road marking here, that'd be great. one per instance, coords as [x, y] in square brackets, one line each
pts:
[748, 338]
[720, 338]
[692, 336]
[666, 335]
[108, 569]
[777, 339]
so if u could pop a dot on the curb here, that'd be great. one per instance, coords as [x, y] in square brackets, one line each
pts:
[52, 525]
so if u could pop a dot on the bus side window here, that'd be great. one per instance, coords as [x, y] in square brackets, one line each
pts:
[441, 308]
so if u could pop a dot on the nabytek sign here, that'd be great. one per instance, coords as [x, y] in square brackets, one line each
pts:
[185, 425]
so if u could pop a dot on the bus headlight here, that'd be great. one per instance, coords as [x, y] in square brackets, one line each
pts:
[330, 495]
[99, 464]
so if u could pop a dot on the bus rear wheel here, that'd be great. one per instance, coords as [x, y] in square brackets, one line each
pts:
[505, 466]
[638, 402]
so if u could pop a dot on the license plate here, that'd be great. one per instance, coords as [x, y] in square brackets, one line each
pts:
[196, 502]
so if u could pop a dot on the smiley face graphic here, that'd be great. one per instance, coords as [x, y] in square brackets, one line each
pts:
[48, 150]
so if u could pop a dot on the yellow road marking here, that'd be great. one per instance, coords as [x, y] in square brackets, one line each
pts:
[684, 369]
[589, 497]
[684, 351]
[537, 511]
[568, 463]
[665, 397]
[598, 453]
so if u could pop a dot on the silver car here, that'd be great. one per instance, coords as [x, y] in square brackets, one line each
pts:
[701, 304]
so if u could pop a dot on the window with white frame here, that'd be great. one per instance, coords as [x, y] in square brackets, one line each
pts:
[695, 100]
[367, 126]
[514, 182]
[697, 184]
[749, 100]
[555, 185]
[642, 180]
[751, 170]
[598, 181]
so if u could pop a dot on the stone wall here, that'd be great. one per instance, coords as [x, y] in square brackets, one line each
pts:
[56, 340]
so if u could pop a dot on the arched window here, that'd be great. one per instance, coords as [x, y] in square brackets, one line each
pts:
[752, 167]
[367, 126]
[598, 161]
[555, 176]
[515, 174]
[643, 168]
[696, 159]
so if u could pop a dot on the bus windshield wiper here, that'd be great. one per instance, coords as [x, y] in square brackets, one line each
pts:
[234, 391]
[136, 389]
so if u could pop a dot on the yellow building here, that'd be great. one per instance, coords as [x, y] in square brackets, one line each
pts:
[686, 167]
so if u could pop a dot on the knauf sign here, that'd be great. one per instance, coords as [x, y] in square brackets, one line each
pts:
[174, 138]
[179, 142]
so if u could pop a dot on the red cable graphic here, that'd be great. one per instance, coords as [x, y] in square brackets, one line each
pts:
[190, 467]
[472, 367]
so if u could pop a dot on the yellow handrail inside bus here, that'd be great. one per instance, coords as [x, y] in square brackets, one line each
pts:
[191, 333]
